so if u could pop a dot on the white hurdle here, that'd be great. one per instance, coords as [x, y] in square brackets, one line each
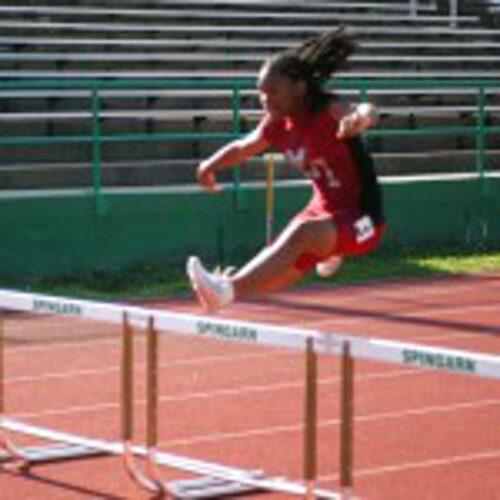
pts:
[215, 480]
[218, 480]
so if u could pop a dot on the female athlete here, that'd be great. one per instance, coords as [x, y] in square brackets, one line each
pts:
[317, 134]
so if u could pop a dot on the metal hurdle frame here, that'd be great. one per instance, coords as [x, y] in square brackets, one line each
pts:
[149, 476]
[219, 480]
[19, 458]
[216, 480]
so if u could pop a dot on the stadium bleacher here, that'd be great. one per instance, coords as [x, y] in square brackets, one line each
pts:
[222, 39]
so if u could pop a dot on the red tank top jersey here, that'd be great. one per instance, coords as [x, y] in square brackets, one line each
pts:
[310, 143]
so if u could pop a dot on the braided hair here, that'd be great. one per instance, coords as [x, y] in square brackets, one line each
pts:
[314, 62]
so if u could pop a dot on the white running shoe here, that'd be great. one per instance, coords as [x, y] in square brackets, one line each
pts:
[328, 267]
[213, 290]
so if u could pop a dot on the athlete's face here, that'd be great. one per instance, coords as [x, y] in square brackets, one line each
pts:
[280, 96]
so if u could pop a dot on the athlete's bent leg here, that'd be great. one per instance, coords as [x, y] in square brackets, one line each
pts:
[330, 266]
[301, 245]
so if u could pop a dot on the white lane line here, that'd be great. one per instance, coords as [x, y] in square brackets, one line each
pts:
[374, 314]
[369, 418]
[91, 344]
[221, 393]
[397, 291]
[424, 464]
[175, 363]
[238, 392]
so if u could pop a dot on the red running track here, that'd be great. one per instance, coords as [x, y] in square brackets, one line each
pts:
[419, 435]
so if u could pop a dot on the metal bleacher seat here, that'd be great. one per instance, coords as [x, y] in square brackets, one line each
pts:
[179, 39]
[173, 31]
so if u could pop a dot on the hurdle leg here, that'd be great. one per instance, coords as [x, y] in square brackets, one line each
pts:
[310, 419]
[127, 407]
[204, 487]
[346, 422]
[152, 405]
[15, 459]
[20, 459]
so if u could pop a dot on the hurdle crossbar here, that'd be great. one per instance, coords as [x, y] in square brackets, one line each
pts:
[330, 343]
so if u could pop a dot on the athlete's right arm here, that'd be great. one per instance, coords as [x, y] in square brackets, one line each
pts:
[233, 153]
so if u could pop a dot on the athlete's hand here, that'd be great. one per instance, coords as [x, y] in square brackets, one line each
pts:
[363, 117]
[206, 178]
[351, 125]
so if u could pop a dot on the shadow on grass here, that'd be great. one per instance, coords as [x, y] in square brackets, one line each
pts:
[154, 281]
[404, 263]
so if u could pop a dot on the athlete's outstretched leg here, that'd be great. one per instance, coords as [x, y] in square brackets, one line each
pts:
[301, 245]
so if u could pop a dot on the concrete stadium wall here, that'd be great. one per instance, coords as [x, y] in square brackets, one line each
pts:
[55, 235]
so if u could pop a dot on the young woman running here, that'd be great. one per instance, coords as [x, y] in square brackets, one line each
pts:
[317, 134]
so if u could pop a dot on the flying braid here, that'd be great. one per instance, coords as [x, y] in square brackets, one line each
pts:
[314, 62]
[326, 53]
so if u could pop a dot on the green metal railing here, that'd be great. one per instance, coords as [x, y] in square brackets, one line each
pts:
[96, 138]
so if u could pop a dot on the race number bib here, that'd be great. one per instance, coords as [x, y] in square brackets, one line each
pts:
[364, 229]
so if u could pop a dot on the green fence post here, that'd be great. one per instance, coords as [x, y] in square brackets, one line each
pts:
[236, 129]
[99, 205]
[363, 92]
[481, 160]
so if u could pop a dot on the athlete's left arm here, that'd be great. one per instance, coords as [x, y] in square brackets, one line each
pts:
[355, 119]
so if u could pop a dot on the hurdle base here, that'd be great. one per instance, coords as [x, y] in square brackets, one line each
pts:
[50, 453]
[208, 487]
[204, 469]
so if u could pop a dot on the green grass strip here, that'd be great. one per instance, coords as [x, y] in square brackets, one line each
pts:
[152, 282]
